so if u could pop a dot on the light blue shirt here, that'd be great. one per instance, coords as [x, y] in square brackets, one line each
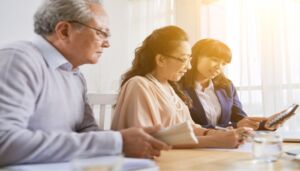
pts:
[44, 115]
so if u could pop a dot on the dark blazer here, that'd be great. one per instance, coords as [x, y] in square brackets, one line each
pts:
[231, 108]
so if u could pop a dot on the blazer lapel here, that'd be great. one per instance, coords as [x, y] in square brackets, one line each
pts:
[225, 118]
[197, 108]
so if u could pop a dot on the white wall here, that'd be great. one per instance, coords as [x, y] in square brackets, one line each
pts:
[16, 18]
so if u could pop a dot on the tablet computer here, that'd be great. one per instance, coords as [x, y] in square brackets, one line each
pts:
[282, 115]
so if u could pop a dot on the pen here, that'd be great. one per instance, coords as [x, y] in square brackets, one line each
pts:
[251, 136]
[221, 128]
[247, 136]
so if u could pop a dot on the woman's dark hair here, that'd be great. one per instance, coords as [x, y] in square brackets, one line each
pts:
[208, 48]
[161, 41]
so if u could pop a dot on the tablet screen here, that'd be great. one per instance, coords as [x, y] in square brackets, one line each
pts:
[283, 115]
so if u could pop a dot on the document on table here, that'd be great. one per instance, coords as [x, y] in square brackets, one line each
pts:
[128, 164]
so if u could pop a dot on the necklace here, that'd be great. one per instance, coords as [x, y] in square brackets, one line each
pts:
[171, 96]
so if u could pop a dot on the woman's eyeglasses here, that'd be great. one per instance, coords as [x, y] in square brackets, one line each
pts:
[186, 59]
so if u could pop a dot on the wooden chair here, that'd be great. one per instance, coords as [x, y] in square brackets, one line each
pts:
[102, 105]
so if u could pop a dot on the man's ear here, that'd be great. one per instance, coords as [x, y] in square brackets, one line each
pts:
[62, 30]
[160, 60]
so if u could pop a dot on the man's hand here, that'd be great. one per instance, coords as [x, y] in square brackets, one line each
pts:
[138, 142]
[251, 122]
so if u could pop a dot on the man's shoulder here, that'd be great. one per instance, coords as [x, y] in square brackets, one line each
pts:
[23, 51]
[20, 46]
[23, 48]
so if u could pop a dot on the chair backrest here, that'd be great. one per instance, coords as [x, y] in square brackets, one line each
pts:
[102, 105]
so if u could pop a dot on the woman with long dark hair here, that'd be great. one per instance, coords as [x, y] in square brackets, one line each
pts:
[150, 96]
[214, 98]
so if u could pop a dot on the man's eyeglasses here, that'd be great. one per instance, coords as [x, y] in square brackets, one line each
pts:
[99, 31]
[186, 59]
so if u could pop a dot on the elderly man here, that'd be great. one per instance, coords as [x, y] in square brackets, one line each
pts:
[44, 116]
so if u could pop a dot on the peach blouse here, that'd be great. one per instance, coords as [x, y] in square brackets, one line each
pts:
[142, 102]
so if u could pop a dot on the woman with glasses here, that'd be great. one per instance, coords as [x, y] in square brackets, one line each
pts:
[149, 95]
[214, 98]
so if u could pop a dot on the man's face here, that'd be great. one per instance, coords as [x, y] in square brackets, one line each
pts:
[86, 44]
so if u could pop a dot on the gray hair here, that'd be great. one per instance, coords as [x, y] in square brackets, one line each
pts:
[53, 11]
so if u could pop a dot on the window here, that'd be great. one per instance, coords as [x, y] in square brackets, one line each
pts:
[146, 16]
[263, 36]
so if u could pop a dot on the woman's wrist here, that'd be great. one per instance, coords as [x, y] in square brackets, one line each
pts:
[205, 132]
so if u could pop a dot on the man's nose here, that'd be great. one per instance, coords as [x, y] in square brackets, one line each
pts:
[105, 43]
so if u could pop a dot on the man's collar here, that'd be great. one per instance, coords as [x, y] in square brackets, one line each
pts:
[52, 56]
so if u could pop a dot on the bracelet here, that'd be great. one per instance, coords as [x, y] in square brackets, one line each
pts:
[205, 132]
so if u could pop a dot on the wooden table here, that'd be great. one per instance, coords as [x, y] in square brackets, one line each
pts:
[216, 160]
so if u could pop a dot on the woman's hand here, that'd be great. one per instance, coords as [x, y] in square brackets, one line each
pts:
[219, 139]
[244, 133]
[231, 138]
[277, 125]
[251, 122]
